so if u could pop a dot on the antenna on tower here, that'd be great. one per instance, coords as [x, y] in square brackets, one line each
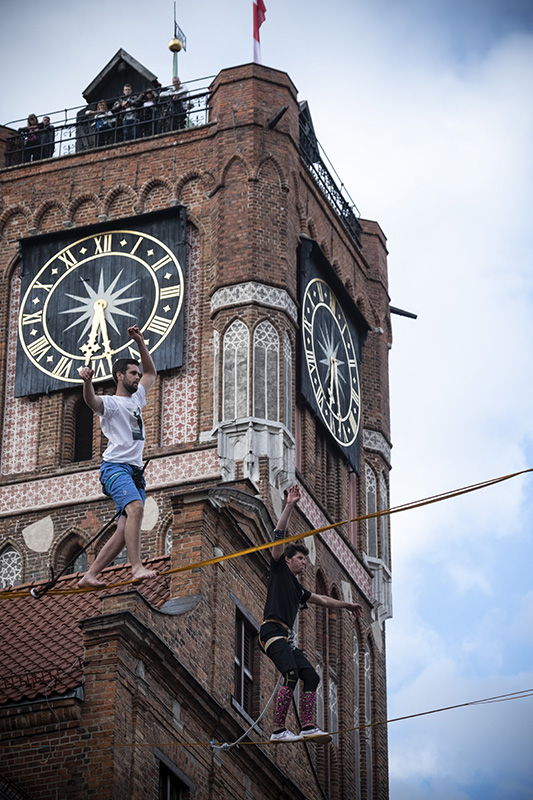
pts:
[179, 42]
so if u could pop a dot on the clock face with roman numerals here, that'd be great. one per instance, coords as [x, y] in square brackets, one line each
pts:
[77, 306]
[331, 362]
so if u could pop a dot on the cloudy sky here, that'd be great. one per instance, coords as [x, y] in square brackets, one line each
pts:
[425, 110]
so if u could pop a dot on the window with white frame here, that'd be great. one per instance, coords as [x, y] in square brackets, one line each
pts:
[368, 720]
[287, 382]
[384, 520]
[356, 717]
[10, 567]
[235, 371]
[371, 508]
[244, 656]
[266, 372]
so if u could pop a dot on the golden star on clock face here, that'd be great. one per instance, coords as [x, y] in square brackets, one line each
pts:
[331, 361]
[77, 309]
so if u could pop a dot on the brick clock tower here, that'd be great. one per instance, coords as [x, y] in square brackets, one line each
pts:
[263, 300]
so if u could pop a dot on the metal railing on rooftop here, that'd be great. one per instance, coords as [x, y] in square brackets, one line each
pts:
[81, 128]
[313, 155]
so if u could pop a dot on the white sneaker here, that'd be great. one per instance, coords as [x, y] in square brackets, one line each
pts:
[285, 736]
[315, 733]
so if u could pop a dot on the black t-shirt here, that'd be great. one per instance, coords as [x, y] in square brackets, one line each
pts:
[285, 595]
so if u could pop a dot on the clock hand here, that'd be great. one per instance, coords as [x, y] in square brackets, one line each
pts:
[330, 389]
[108, 352]
[337, 387]
[92, 345]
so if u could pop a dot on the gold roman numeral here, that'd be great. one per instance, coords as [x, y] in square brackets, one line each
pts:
[161, 263]
[170, 291]
[159, 325]
[39, 347]
[68, 259]
[102, 246]
[31, 319]
[62, 368]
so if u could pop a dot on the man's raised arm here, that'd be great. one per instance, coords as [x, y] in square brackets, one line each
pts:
[293, 496]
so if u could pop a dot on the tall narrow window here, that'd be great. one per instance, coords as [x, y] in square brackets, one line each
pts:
[356, 717]
[235, 371]
[371, 507]
[287, 382]
[266, 371]
[83, 432]
[244, 664]
[384, 520]
[69, 551]
[368, 720]
[10, 567]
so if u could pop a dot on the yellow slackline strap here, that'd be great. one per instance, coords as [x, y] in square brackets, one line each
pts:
[25, 593]
[96, 745]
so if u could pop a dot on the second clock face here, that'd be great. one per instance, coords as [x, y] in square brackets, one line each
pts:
[78, 306]
[331, 361]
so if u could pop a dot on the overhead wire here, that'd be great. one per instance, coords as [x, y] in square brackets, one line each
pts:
[26, 593]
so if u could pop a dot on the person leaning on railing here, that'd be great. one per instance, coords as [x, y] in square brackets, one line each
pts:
[126, 109]
[103, 123]
[174, 105]
[31, 140]
[147, 113]
[47, 138]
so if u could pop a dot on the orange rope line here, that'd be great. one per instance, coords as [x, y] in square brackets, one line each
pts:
[382, 513]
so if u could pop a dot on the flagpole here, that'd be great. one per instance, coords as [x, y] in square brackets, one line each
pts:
[259, 14]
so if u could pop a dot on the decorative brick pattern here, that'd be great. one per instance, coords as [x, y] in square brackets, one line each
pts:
[79, 487]
[252, 292]
[335, 543]
[180, 391]
[374, 440]
[21, 416]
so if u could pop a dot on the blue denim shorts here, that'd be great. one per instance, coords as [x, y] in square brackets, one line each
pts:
[118, 483]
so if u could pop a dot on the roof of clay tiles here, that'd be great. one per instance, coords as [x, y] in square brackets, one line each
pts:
[42, 644]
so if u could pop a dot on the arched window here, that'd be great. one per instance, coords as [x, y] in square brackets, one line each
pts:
[168, 541]
[368, 719]
[287, 382]
[371, 507]
[83, 432]
[10, 567]
[69, 550]
[266, 372]
[235, 371]
[384, 520]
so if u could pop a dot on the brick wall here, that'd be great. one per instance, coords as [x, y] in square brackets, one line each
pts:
[248, 199]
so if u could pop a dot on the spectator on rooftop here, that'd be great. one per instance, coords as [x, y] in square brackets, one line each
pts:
[31, 140]
[126, 108]
[47, 138]
[174, 106]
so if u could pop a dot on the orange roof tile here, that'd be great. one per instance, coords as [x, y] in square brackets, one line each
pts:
[42, 643]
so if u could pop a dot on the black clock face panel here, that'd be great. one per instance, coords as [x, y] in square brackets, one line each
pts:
[79, 299]
[331, 361]
[332, 335]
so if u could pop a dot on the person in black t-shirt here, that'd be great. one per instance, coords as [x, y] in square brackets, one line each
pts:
[285, 597]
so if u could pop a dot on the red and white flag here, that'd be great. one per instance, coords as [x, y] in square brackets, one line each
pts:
[259, 18]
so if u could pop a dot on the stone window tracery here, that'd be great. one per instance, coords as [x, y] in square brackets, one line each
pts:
[235, 371]
[10, 567]
[371, 507]
[287, 382]
[266, 372]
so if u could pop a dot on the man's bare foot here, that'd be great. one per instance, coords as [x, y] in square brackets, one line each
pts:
[88, 582]
[143, 574]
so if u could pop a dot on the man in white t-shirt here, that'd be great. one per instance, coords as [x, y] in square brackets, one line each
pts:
[121, 473]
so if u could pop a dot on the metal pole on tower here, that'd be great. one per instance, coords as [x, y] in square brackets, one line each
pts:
[179, 42]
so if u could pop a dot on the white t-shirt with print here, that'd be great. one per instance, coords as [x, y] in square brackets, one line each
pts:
[122, 424]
